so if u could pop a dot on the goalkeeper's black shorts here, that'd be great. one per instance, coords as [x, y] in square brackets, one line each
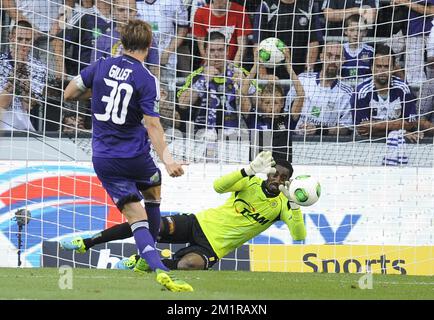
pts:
[184, 228]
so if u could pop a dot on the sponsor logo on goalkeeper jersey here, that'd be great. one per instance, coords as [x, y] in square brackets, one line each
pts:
[248, 211]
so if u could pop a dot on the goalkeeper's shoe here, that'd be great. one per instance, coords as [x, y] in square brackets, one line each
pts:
[126, 263]
[75, 244]
[135, 262]
[168, 280]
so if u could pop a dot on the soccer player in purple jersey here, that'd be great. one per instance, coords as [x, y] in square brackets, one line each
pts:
[124, 93]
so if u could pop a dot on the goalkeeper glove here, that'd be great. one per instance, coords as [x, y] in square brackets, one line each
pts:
[285, 190]
[263, 163]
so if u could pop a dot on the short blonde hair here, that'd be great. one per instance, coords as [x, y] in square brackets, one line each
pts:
[136, 35]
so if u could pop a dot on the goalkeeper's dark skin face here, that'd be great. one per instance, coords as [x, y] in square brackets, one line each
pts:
[274, 180]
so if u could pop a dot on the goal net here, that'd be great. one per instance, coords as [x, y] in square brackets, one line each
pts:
[350, 102]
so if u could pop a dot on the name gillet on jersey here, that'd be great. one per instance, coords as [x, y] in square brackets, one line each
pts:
[119, 73]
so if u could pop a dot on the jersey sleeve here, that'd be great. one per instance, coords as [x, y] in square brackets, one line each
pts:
[150, 96]
[345, 116]
[295, 222]
[231, 182]
[361, 112]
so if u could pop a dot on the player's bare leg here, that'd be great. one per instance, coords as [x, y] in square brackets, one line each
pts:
[191, 261]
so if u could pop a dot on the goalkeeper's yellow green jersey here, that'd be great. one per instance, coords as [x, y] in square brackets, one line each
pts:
[247, 213]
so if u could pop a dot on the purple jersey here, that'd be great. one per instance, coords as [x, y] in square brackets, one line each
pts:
[357, 63]
[420, 24]
[81, 40]
[109, 45]
[122, 91]
[368, 105]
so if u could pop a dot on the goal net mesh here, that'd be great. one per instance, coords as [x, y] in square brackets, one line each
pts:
[350, 102]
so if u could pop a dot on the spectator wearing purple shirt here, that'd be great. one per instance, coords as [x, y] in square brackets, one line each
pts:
[109, 44]
[293, 22]
[383, 102]
[81, 37]
[419, 25]
[125, 93]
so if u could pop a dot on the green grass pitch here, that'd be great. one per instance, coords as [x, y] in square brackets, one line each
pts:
[43, 283]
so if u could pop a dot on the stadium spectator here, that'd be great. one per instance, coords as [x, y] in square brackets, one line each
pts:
[221, 89]
[419, 25]
[43, 16]
[326, 106]
[292, 21]
[74, 123]
[337, 11]
[430, 47]
[426, 101]
[227, 18]
[269, 125]
[169, 116]
[109, 44]
[81, 33]
[357, 54]
[22, 80]
[267, 117]
[169, 21]
[215, 232]
[384, 103]
[269, 109]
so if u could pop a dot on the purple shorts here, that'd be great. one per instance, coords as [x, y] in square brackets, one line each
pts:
[123, 179]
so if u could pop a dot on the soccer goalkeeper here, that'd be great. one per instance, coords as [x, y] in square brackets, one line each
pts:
[253, 206]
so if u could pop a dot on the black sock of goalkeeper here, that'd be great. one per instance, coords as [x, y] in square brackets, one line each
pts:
[146, 245]
[117, 232]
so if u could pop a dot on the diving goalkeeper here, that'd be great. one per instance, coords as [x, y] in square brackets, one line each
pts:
[253, 206]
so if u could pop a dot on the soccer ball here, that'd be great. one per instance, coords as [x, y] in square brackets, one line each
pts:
[271, 52]
[305, 190]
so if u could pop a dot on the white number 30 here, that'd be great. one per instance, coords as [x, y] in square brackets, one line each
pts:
[112, 107]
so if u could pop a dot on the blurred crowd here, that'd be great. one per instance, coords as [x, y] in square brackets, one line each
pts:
[360, 68]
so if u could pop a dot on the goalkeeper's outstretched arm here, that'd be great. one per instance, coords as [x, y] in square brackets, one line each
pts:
[263, 163]
[231, 182]
[292, 215]
[294, 220]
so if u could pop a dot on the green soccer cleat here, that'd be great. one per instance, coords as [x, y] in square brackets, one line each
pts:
[126, 263]
[170, 282]
[73, 244]
[135, 263]
[141, 265]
